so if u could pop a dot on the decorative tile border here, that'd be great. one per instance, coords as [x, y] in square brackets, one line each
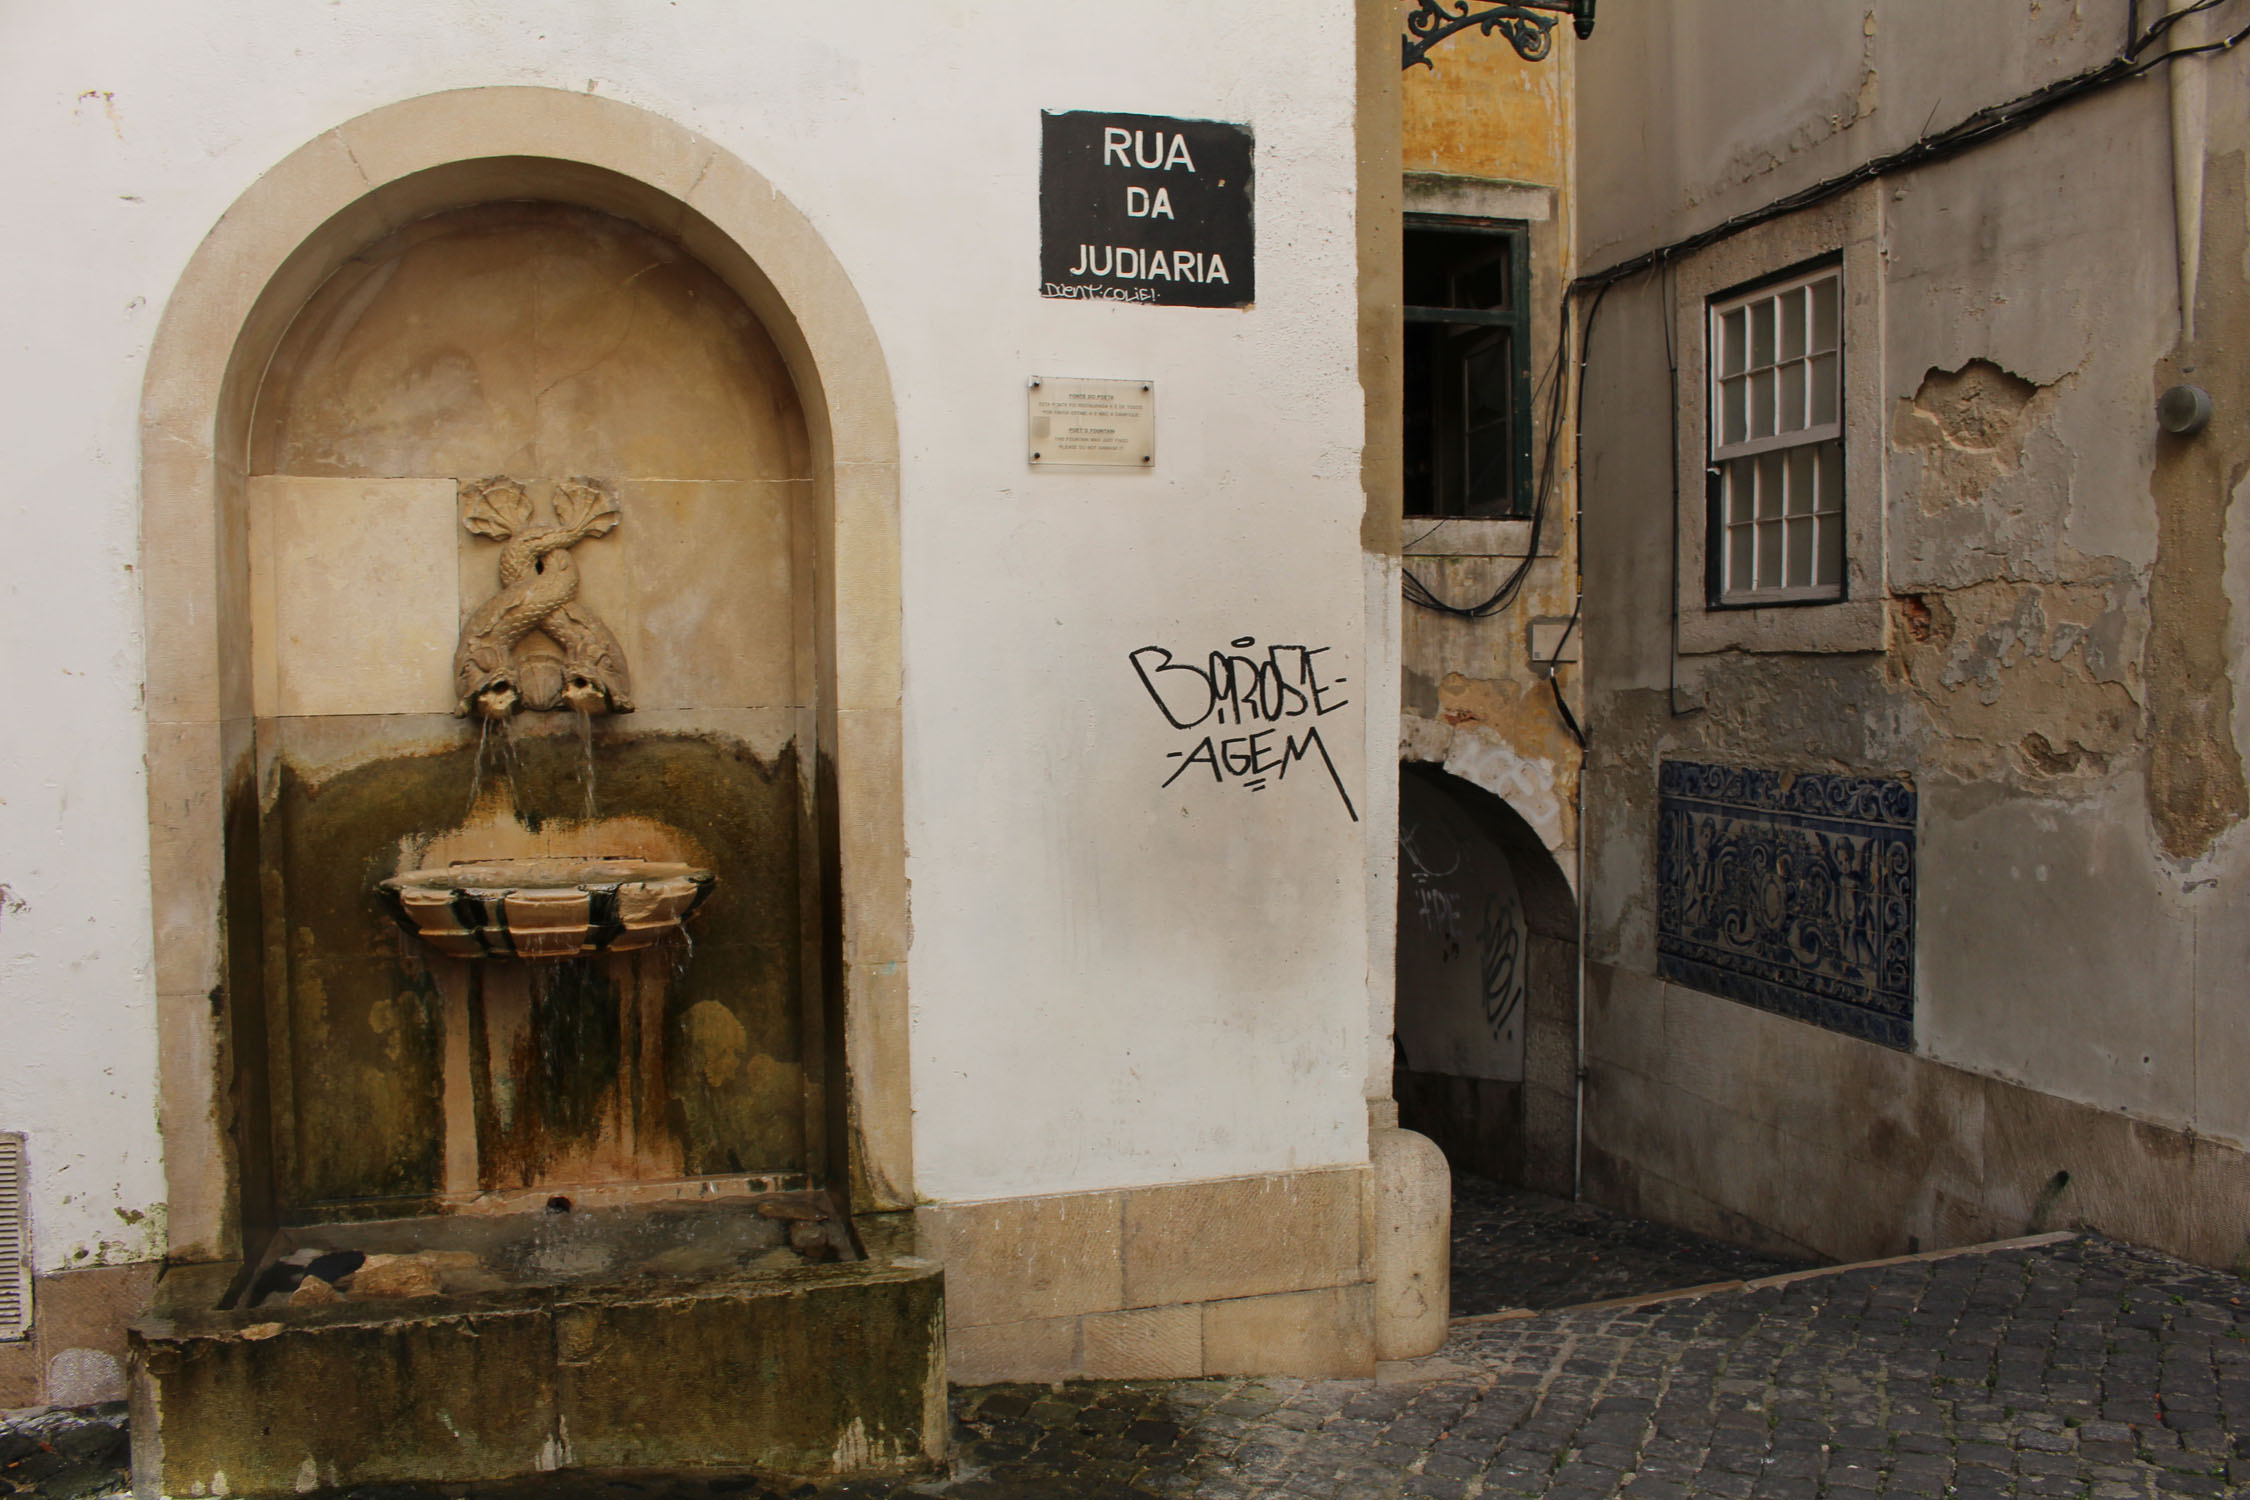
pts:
[1794, 894]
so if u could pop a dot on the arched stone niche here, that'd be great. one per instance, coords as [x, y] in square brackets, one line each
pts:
[210, 697]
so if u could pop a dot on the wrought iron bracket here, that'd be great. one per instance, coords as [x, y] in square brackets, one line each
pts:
[1529, 31]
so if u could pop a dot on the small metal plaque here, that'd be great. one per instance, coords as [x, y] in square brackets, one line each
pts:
[1108, 424]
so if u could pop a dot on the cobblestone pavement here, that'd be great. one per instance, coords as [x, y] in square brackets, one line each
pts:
[1514, 1248]
[2082, 1368]
[64, 1455]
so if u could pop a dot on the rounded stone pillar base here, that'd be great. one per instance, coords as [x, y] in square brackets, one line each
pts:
[1411, 1203]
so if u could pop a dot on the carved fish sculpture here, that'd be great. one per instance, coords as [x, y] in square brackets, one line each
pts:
[495, 671]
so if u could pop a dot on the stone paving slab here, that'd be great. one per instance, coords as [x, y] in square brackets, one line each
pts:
[1516, 1248]
[2081, 1368]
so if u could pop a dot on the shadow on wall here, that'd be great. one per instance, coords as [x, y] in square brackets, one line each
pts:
[1484, 1045]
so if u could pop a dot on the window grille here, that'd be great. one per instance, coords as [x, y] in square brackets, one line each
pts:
[15, 1242]
[1777, 441]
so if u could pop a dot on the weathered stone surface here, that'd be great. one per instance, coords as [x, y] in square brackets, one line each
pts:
[1410, 1219]
[1021, 1258]
[1144, 1343]
[829, 1370]
[393, 1276]
[442, 1394]
[2080, 1368]
[1034, 1349]
[820, 1372]
[1325, 1332]
[1242, 1237]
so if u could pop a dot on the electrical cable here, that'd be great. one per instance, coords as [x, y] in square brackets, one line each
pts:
[2162, 24]
[1554, 676]
[2224, 44]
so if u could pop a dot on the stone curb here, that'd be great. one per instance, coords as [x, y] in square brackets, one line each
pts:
[1768, 1283]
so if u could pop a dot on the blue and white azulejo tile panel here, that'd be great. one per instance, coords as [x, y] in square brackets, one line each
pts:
[1794, 894]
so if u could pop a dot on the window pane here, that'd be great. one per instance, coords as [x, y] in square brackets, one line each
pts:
[1740, 539]
[1824, 406]
[1827, 330]
[1761, 404]
[1793, 324]
[1797, 569]
[1792, 397]
[1769, 554]
[1734, 395]
[1734, 341]
[1485, 396]
[1801, 467]
[1460, 268]
[1769, 482]
[1741, 489]
[1761, 332]
[1831, 482]
[1463, 433]
[1830, 569]
[1487, 281]
[1485, 405]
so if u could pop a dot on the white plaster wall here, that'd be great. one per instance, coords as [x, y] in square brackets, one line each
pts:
[1112, 984]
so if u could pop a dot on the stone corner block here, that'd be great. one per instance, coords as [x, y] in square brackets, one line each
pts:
[1410, 1213]
[1243, 1236]
[1325, 1333]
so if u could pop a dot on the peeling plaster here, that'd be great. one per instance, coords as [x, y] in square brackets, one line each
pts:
[1529, 784]
[2027, 680]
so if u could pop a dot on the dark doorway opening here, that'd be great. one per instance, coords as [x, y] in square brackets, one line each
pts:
[1485, 1052]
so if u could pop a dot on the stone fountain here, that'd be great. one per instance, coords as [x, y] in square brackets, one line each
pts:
[542, 1168]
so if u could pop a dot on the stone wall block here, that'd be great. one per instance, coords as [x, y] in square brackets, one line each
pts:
[1033, 1349]
[1015, 1259]
[1144, 1343]
[1325, 1333]
[1242, 1236]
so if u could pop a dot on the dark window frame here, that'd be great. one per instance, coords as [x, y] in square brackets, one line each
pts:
[1516, 320]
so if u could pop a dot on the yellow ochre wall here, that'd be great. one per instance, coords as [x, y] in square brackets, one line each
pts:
[1481, 111]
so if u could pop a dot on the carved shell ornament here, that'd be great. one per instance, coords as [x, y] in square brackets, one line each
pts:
[533, 645]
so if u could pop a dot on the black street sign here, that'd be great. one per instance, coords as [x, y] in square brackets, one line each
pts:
[1145, 208]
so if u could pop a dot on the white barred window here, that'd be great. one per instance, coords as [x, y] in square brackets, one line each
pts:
[1777, 441]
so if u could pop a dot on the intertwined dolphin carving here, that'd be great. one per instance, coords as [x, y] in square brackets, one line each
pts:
[499, 667]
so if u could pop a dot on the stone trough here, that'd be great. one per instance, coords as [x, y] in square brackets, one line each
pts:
[762, 1335]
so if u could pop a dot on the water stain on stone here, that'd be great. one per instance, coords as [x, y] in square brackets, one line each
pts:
[701, 1058]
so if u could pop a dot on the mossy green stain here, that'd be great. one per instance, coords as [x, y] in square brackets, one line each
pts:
[366, 1117]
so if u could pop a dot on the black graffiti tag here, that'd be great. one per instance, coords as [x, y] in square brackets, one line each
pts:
[1235, 688]
[1501, 964]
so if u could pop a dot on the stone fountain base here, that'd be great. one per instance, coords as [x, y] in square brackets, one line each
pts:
[730, 1359]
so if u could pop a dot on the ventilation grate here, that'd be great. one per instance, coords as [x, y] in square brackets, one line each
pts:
[15, 1242]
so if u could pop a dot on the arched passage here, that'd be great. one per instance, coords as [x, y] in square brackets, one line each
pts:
[1486, 985]
[285, 238]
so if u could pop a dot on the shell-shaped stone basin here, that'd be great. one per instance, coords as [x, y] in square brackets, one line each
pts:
[545, 908]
